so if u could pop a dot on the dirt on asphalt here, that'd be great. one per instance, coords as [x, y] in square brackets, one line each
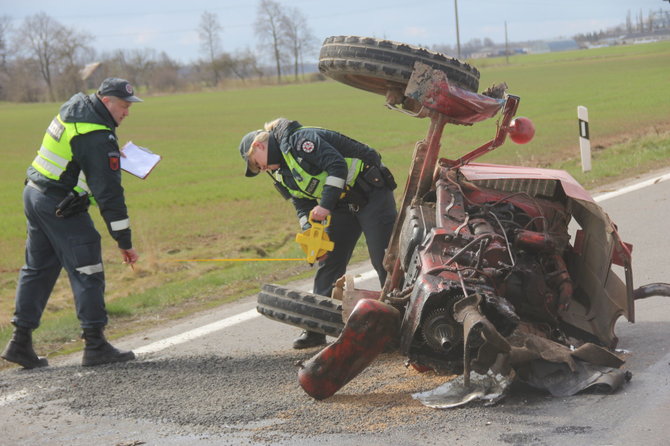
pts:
[219, 396]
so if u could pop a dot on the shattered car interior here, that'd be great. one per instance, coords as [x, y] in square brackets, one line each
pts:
[496, 273]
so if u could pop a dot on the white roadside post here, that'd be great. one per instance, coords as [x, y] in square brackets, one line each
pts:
[584, 142]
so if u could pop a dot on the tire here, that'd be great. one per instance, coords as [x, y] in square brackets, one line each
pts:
[381, 66]
[301, 309]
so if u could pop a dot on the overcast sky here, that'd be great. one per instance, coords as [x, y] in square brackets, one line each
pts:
[171, 26]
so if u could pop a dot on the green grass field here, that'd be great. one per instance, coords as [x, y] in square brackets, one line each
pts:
[198, 204]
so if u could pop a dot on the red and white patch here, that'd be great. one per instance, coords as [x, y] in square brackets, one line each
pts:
[307, 146]
[114, 161]
[129, 89]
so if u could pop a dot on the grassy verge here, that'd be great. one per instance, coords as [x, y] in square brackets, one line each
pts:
[622, 160]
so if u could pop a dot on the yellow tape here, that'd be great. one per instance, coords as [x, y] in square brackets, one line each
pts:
[314, 241]
[232, 260]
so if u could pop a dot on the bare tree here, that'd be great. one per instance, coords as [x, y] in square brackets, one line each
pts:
[210, 42]
[141, 63]
[73, 54]
[650, 21]
[244, 64]
[23, 81]
[40, 32]
[114, 63]
[54, 47]
[135, 65]
[5, 27]
[299, 39]
[165, 75]
[268, 27]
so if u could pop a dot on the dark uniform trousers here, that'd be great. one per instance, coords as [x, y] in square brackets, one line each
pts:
[375, 220]
[54, 243]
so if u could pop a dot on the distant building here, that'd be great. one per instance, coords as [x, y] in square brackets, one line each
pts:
[550, 46]
[563, 45]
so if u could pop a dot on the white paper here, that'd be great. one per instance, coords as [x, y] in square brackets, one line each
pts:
[138, 161]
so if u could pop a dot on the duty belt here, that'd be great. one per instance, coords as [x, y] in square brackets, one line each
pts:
[53, 192]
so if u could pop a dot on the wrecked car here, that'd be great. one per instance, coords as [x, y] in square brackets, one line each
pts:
[496, 273]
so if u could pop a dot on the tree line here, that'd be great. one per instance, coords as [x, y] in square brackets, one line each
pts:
[44, 60]
[656, 22]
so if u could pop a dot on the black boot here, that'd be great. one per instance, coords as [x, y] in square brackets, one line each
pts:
[309, 339]
[20, 350]
[98, 351]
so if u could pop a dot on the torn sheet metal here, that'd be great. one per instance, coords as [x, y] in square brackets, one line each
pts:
[559, 380]
[556, 378]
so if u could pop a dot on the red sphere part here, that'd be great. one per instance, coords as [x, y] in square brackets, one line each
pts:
[521, 130]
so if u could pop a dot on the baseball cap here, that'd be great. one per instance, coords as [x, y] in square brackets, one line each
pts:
[120, 88]
[245, 146]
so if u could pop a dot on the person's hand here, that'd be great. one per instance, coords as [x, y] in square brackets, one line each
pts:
[319, 213]
[323, 257]
[129, 256]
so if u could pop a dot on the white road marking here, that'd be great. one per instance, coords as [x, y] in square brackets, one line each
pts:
[247, 315]
[632, 187]
[198, 332]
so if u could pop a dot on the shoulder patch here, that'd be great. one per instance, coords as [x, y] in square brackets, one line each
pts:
[307, 146]
[56, 129]
[114, 160]
[311, 187]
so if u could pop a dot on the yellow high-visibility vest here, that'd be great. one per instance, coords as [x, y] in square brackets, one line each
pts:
[56, 152]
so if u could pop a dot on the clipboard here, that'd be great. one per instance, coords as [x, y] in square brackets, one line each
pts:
[138, 161]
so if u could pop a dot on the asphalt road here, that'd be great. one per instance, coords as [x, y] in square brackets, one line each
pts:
[229, 377]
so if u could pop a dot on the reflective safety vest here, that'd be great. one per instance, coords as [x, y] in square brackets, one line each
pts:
[56, 152]
[311, 186]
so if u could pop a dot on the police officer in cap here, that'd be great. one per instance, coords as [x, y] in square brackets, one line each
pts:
[78, 163]
[324, 173]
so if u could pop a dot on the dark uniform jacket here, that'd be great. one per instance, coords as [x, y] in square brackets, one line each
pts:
[97, 155]
[319, 150]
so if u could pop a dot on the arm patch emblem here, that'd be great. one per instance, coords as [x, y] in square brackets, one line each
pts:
[114, 160]
[311, 187]
[56, 129]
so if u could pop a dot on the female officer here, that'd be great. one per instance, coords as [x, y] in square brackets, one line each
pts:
[327, 173]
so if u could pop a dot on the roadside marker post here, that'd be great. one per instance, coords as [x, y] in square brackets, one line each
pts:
[584, 142]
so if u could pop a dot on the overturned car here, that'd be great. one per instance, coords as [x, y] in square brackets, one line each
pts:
[496, 273]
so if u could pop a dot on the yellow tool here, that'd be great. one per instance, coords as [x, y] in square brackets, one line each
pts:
[314, 241]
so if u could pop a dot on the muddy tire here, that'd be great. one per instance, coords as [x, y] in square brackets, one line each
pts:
[301, 309]
[383, 66]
